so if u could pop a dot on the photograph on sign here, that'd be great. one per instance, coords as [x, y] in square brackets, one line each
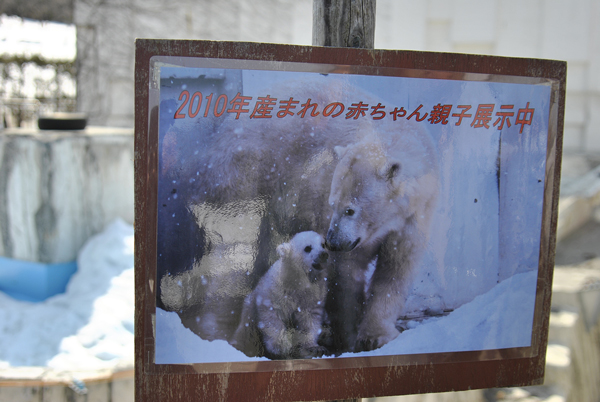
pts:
[332, 214]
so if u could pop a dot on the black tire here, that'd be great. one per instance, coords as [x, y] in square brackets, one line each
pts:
[62, 121]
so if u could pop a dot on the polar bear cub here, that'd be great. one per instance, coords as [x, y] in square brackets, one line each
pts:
[283, 315]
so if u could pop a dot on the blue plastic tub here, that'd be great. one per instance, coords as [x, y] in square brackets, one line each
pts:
[34, 281]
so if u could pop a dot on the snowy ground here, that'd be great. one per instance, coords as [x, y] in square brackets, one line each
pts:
[501, 318]
[90, 326]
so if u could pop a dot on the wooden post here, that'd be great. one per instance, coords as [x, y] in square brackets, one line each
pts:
[344, 23]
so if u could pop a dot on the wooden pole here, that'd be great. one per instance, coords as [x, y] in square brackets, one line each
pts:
[344, 23]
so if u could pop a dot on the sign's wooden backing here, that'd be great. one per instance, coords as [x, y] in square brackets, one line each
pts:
[184, 383]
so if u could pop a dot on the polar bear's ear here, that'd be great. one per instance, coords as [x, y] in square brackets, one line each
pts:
[390, 170]
[283, 249]
[340, 151]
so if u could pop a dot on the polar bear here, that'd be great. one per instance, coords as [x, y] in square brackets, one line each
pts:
[369, 184]
[282, 317]
[383, 193]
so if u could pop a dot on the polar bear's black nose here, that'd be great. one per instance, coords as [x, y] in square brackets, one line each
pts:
[331, 242]
[328, 240]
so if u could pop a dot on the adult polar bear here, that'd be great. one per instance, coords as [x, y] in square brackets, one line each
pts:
[383, 193]
[369, 184]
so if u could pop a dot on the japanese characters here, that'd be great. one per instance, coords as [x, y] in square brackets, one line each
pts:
[487, 115]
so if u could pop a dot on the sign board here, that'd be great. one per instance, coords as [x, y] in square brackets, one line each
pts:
[325, 223]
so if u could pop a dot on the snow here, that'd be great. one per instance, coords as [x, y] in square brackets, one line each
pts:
[500, 318]
[91, 325]
[49, 40]
[178, 345]
[88, 327]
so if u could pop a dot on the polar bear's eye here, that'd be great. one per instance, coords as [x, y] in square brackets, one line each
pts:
[308, 249]
[349, 212]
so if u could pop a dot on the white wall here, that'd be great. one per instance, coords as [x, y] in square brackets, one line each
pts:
[554, 29]
[106, 31]
[547, 29]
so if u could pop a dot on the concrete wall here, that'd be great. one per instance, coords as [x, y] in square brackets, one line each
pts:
[547, 29]
[59, 188]
[106, 31]
[555, 29]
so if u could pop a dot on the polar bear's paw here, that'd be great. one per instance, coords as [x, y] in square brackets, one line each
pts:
[372, 338]
[313, 351]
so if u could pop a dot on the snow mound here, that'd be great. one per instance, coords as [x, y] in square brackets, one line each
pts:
[176, 344]
[88, 327]
[500, 318]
